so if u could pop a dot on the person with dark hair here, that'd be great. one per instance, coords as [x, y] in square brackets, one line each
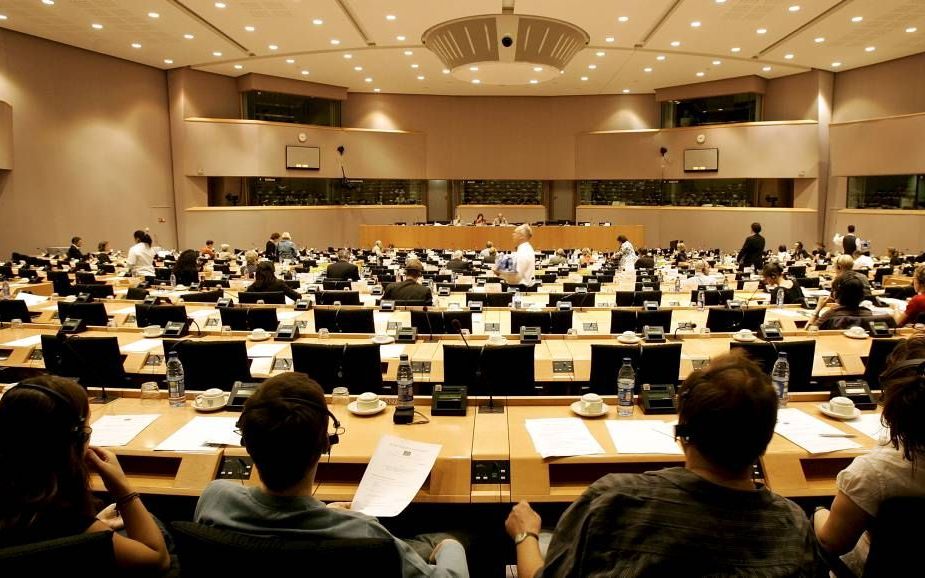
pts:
[799, 252]
[186, 269]
[102, 252]
[285, 428]
[343, 269]
[645, 261]
[626, 254]
[265, 281]
[915, 307]
[140, 258]
[209, 249]
[849, 242]
[887, 471]
[458, 263]
[479, 219]
[849, 295]
[775, 280]
[73, 252]
[783, 256]
[45, 492]
[752, 252]
[708, 518]
[410, 290]
[271, 253]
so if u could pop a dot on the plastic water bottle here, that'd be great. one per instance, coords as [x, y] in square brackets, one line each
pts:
[626, 381]
[701, 299]
[677, 283]
[176, 391]
[780, 296]
[173, 281]
[405, 382]
[6, 290]
[780, 377]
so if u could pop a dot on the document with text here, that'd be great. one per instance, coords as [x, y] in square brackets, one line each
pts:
[396, 471]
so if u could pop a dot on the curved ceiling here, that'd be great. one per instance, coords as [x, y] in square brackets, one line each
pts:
[375, 45]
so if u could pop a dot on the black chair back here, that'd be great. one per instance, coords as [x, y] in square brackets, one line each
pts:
[722, 320]
[209, 364]
[660, 318]
[268, 297]
[893, 544]
[200, 547]
[60, 282]
[714, 296]
[339, 320]
[796, 271]
[146, 315]
[576, 299]
[203, 296]
[212, 283]
[640, 297]
[336, 284]
[91, 313]
[96, 290]
[502, 370]
[249, 318]
[95, 361]
[345, 297]
[11, 309]
[84, 278]
[61, 557]
[136, 294]
[358, 367]
[808, 282]
[490, 299]
[606, 361]
[800, 356]
[549, 322]
[440, 322]
[880, 350]
[570, 287]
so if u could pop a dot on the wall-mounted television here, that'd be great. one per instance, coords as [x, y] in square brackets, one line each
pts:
[701, 160]
[303, 158]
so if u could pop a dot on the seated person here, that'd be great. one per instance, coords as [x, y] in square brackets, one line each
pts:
[895, 257]
[886, 471]
[102, 252]
[250, 264]
[409, 290]
[587, 258]
[186, 269]
[45, 488]
[820, 251]
[73, 252]
[458, 263]
[343, 269]
[284, 427]
[681, 255]
[915, 307]
[499, 220]
[265, 281]
[377, 249]
[799, 252]
[862, 261]
[782, 255]
[645, 260]
[225, 253]
[847, 305]
[488, 251]
[774, 278]
[700, 277]
[708, 518]
[844, 267]
[286, 249]
[479, 219]
[272, 252]
[558, 259]
[208, 250]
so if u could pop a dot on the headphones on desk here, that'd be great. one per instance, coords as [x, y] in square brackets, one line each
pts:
[332, 438]
[75, 422]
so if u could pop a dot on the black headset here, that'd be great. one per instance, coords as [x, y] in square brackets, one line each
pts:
[333, 438]
[63, 405]
[918, 363]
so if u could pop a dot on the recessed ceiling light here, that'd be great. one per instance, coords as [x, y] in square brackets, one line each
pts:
[48, 2]
[626, 91]
[870, 49]
[788, 56]
[188, 36]
[415, 65]
[676, 43]
[220, 4]
[368, 79]
[695, 24]
[720, 1]
[238, 67]
[421, 77]
[216, 54]
[273, 47]
[857, 19]
[537, 69]
[358, 68]
[390, 17]
[592, 66]
[474, 68]
[136, 45]
[168, 61]
[700, 73]
[534, 81]
[409, 52]
[348, 56]
[290, 61]
[446, 71]
[400, 38]
[476, 81]
[335, 41]
[584, 78]
[95, 26]
[794, 8]
[317, 21]
[660, 57]
[836, 64]
[911, 29]
[304, 73]
[717, 62]
[377, 90]
[762, 31]
[766, 69]
[599, 53]
[249, 29]
[819, 39]
[623, 19]
[647, 69]
[153, 15]
[609, 39]
[735, 49]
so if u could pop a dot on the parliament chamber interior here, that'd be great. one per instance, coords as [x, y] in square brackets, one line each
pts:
[496, 288]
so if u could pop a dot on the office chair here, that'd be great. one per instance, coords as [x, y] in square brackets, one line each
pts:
[203, 296]
[722, 320]
[336, 285]
[268, 297]
[880, 350]
[491, 299]
[713, 296]
[209, 364]
[249, 318]
[800, 355]
[661, 363]
[549, 322]
[60, 282]
[96, 290]
[357, 366]
[624, 298]
[892, 544]
[85, 278]
[146, 315]
[202, 548]
[136, 294]
[846, 322]
[623, 320]
[11, 309]
[640, 297]
[95, 361]
[658, 318]
[61, 556]
[345, 297]
[213, 283]
[502, 370]
[606, 361]
[91, 313]
[440, 322]
[571, 287]
[340, 320]
[576, 299]
[796, 271]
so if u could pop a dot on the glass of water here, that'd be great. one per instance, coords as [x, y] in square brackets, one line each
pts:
[323, 333]
[150, 393]
[340, 396]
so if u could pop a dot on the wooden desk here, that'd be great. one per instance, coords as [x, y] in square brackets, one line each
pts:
[547, 237]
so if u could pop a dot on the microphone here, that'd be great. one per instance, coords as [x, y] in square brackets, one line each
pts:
[429, 326]
[490, 407]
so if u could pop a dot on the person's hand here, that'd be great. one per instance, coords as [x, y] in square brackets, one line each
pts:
[340, 505]
[522, 519]
[105, 463]
[111, 517]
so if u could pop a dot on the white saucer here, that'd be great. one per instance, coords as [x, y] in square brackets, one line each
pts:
[847, 333]
[576, 407]
[203, 409]
[352, 408]
[744, 338]
[152, 336]
[824, 408]
[626, 339]
[383, 339]
[252, 337]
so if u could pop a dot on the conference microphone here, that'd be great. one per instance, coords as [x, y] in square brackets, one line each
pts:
[490, 407]
[429, 326]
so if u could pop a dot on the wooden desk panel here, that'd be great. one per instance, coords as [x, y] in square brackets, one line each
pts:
[545, 238]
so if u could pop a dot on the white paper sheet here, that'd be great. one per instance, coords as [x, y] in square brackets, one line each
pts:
[261, 366]
[31, 299]
[391, 351]
[557, 437]
[793, 313]
[25, 341]
[287, 315]
[396, 471]
[202, 434]
[803, 430]
[125, 311]
[201, 313]
[142, 346]
[265, 349]
[643, 437]
[869, 425]
[118, 430]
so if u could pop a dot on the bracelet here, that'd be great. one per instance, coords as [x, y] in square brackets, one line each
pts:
[127, 498]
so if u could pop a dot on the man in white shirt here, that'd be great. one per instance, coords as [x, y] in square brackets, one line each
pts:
[863, 261]
[524, 259]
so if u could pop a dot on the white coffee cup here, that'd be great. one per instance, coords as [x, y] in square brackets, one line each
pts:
[592, 403]
[259, 332]
[211, 398]
[841, 406]
[152, 331]
[367, 401]
[857, 330]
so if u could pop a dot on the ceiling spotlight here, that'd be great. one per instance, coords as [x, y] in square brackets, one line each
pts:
[358, 68]
[273, 47]
[168, 61]
[317, 21]
[534, 81]
[216, 54]
[584, 78]
[609, 39]
[348, 56]
[794, 8]
[717, 62]
[290, 61]
[700, 73]
[819, 39]
[695, 24]
[446, 71]
[720, 1]
[238, 66]
[188, 36]
[476, 81]
[857, 19]
[368, 79]
[870, 49]
[400, 38]
[48, 2]
[911, 29]
[762, 31]
[421, 77]
[249, 29]
[599, 53]
[414, 66]
[537, 69]
[377, 90]
[474, 68]
[788, 56]
[626, 91]
[766, 69]
[676, 43]
[136, 45]
[623, 19]
[390, 17]
[335, 41]
[735, 49]
[647, 69]
[220, 4]
[660, 57]
[94, 26]
[836, 64]
[409, 52]
[153, 15]
[592, 66]
[304, 73]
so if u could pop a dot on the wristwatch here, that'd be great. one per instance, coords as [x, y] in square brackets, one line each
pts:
[521, 536]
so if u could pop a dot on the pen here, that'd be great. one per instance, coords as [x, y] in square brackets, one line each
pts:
[837, 435]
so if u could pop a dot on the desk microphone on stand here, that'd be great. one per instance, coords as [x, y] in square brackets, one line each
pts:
[489, 407]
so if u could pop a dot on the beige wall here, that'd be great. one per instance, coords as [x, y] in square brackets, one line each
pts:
[92, 147]
[722, 227]
[513, 213]
[904, 230]
[792, 97]
[885, 89]
[6, 136]
[310, 226]
[500, 137]
[888, 146]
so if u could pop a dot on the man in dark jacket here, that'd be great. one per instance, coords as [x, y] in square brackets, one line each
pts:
[457, 263]
[410, 290]
[272, 251]
[849, 242]
[73, 252]
[343, 269]
[752, 252]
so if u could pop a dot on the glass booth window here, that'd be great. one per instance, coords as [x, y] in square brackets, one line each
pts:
[277, 191]
[886, 192]
[727, 109]
[688, 192]
[491, 192]
[278, 107]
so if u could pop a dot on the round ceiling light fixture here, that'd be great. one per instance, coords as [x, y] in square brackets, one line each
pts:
[505, 48]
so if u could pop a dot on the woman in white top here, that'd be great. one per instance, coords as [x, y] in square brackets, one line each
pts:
[893, 469]
[377, 249]
[627, 254]
[140, 258]
[701, 276]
